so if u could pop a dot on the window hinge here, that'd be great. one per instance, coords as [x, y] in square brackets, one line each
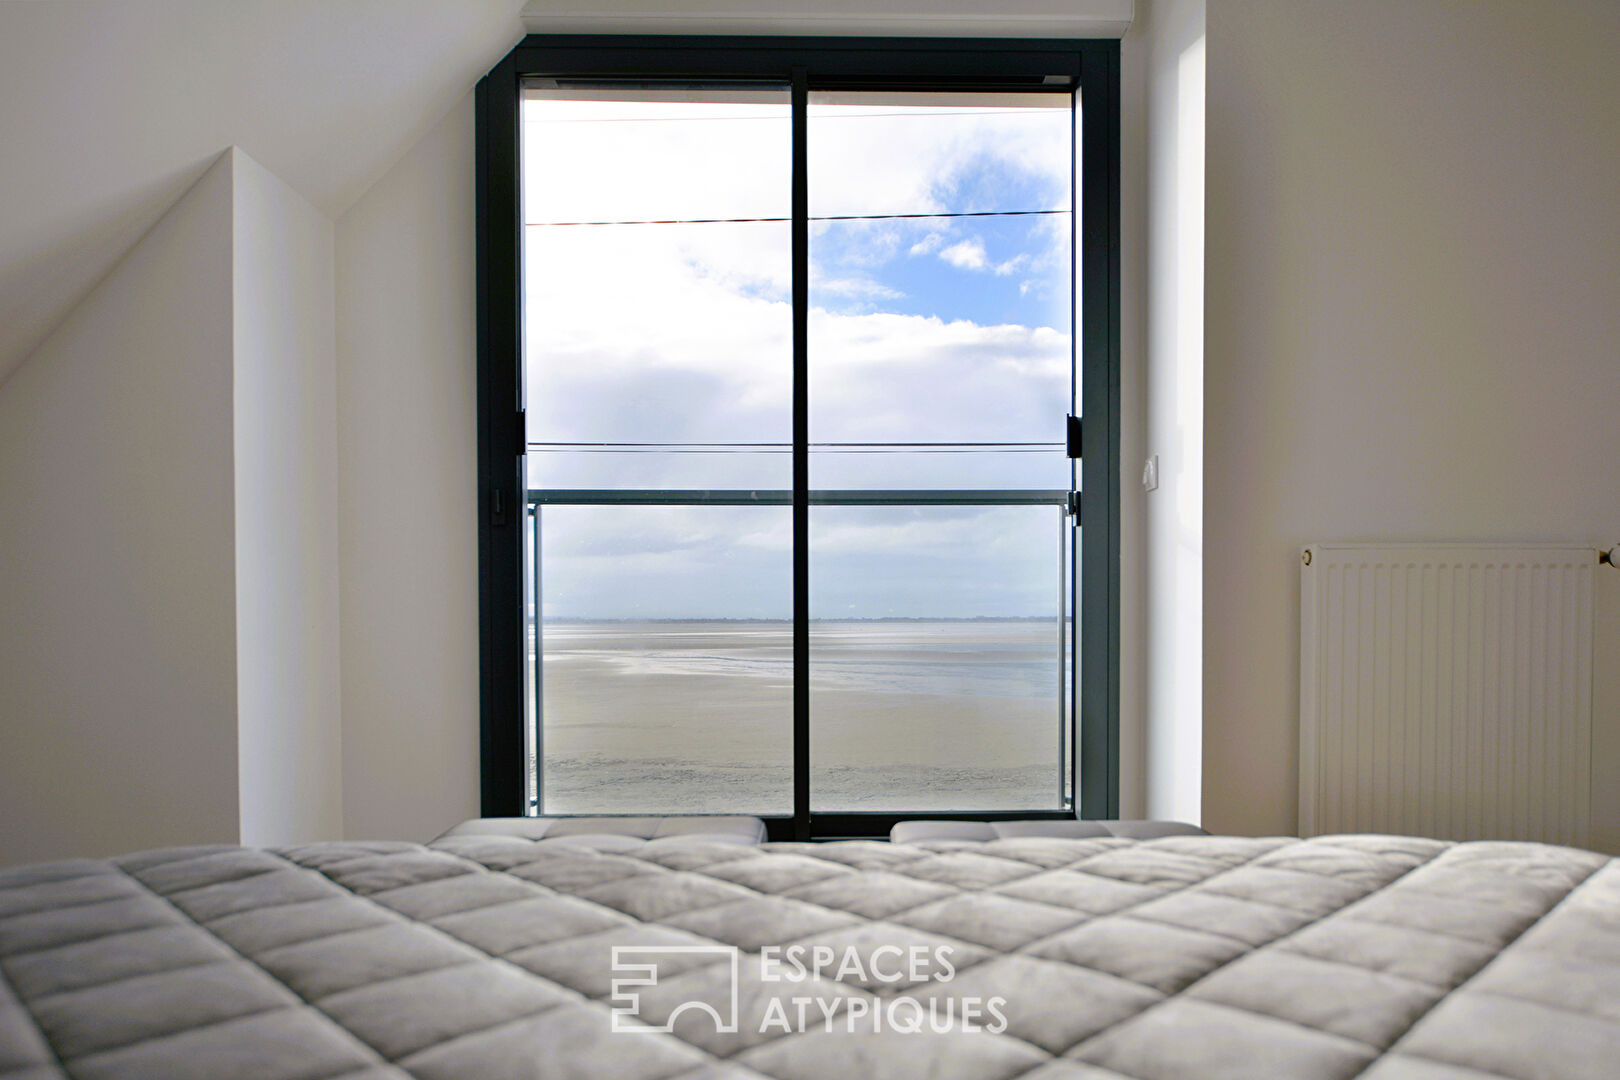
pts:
[522, 433]
[497, 506]
[1074, 436]
[1074, 506]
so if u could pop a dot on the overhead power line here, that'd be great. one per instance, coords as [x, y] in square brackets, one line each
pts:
[827, 217]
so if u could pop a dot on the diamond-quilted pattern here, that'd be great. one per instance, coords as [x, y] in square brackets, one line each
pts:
[1522, 885]
[211, 868]
[256, 931]
[1415, 955]
[401, 1016]
[1411, 849]
[856, 854]
[18, 877]
[1183, 1038]
[1049, 1004]
[873, 894]
[1577, 930]
[1458, 916]
[1047, 852]
[1151, 865]
[1367, 1006]
[585, 964]
[504, 928]
[1080, 891]
[107, 959]
[330, 965]
[378, 873]
[493, 852]
[759, 921]
[1228, 851]
[1311, 894]
[335, 853]
[658, 898]
[49, 929]
[81, 1022]
[453, 895]
[1167, 958]
[776, 875]
[685, 853]
[757, 1020]
[1516, 1038]
[1065, 1069]
[21, 1044]
[287, 885]
[144, 860]
[968, 870]
[996, 922]
[574, 869]
[284, 1044]
[914, 956]
[568, 1041]
[863, 1052]
[64, 892]
[1197, 909]
[1558, 981]
[1398, 1067]
[1364, 869]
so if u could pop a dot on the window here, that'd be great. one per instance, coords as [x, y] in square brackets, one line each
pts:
[797, 380]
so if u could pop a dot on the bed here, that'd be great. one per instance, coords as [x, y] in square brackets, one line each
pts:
[490, 954]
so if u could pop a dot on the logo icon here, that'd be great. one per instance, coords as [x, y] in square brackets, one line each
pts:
[627, 1003]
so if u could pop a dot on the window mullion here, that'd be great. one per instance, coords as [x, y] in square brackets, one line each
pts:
[801, 460]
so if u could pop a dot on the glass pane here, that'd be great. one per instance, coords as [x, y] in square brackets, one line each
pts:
[938, 657]
[940, 290]
[667, 638]
[658, 367]
[657, 310]
[940, 379]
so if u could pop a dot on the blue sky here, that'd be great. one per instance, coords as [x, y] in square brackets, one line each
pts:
[929, 329]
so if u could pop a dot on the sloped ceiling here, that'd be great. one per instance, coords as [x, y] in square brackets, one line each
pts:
[111, 109]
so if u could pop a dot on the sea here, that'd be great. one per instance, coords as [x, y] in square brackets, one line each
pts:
[696, 716]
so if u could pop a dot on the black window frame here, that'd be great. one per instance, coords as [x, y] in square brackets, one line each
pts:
[804, 63]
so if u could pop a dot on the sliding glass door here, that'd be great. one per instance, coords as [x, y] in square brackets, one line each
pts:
[799, 376]
[659, 363]
[940, 376]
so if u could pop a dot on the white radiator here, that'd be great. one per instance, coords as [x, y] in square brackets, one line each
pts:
[1446, 691]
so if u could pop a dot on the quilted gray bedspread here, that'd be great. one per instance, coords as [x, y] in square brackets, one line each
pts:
[491, 957]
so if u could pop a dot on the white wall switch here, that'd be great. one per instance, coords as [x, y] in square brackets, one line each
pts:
[1150, 473]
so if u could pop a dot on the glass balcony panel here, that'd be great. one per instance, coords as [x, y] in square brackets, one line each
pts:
[667, 639]
[938, 658]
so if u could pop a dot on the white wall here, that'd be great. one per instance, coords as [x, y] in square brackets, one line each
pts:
[407, 469]
[1412, 318]
[117, 595]
[285, 429]
[1173, 401]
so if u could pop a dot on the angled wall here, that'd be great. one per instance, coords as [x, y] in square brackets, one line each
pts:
[168, 551]
[117, 559]
[285, 437]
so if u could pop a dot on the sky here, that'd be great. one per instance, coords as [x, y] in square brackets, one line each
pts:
[922, 329]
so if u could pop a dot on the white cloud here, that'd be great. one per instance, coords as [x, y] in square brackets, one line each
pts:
[965, 254]
[855, 288]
